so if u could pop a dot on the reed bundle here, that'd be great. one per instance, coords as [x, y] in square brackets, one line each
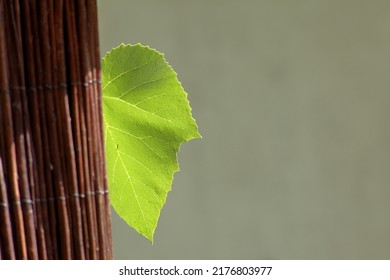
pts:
[53, 186]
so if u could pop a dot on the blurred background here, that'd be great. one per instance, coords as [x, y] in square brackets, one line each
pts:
[292, 99]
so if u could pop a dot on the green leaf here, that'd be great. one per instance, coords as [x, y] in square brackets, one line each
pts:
[146, 117]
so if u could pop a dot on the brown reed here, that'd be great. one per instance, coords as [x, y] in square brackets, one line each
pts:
[53, 185]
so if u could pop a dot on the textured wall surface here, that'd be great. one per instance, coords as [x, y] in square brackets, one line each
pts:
[292, 99]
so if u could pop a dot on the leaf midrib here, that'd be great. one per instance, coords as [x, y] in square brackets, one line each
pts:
[142, 110]
[131, 182]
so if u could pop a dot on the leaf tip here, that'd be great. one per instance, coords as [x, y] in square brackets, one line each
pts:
[149, 236]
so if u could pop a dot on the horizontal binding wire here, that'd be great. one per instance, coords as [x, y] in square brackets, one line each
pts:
[90, 194]
[63, 85]
[63, 197]
[6, 90]
[4, 204]
[17, 202]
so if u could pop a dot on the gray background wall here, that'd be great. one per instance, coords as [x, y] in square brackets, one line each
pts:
[292, 99]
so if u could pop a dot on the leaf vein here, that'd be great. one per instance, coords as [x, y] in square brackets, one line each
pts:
[147, 112]
[142, 84]
[125, 72]
[132, 187]
[142, 140]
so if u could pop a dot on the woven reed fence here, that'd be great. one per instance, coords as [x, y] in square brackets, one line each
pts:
[53, 187]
